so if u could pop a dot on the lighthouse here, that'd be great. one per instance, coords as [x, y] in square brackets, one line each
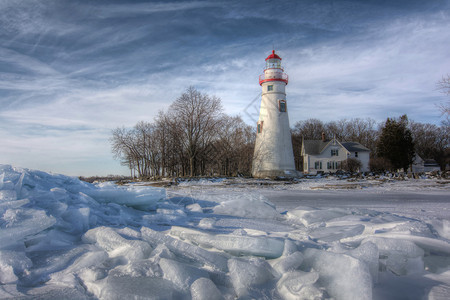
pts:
[273, 155]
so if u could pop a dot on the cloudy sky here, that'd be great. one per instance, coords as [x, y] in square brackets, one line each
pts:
[71, 71]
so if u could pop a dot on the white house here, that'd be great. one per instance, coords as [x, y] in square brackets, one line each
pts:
[330, 155]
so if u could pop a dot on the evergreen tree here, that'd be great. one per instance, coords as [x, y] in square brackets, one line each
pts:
[396, 144]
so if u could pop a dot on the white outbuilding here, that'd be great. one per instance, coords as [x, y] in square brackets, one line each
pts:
[273, 154]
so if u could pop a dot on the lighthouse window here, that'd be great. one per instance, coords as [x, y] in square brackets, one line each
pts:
[259, 127]
[282, 105]
[270, 88]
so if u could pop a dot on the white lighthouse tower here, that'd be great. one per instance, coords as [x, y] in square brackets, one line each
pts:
[273, 154]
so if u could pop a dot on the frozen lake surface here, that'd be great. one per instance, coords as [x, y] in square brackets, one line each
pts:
[223, 239]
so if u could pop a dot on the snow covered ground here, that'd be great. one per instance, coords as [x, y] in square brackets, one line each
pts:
[223, 239]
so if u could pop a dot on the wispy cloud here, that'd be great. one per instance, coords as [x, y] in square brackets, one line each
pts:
[70, 71]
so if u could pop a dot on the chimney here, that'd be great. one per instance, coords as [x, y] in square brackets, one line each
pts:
[323, 136]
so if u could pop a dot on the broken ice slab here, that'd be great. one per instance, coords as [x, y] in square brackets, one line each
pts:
[299, 285]
[191, 252]
[12, 264]
[246, 206]
[234, 244]
[130, 196]
[116, 245]
[132, 287]
[386, 246]
[309, 216]
[289, 263]
[180, 274]
[205, 289]
[368, 253]
[343, 276]
[246, 273]
[335, 233]
[17, 224]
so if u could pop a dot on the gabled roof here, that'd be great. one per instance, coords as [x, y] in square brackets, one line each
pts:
[313, 147]
[354, 147]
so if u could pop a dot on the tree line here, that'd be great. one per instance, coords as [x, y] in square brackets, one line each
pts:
[195, 138]
[392, 144]
[192, 138]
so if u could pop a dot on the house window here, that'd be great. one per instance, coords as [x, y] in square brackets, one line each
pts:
[356, 154]
[282, 105]
[333, 165]
[318, 165]
[334, 152]
[270, 88]
[259, 127]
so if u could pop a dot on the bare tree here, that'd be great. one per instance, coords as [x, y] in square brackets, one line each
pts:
[195, 114]
[431, 141]
[444, 85]
[310, 129]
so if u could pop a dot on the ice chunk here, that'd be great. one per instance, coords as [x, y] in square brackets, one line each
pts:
[17, 224]
[248, 206]
[77, 219]
[12, 204]
[289, 263]
[182, 275]
[12, 263]
[120, 287]
[437, 264]
[130, 196]
[9, 291]
[439, 292]
[245, 274]
[234, 244]
[335, 233]
[205, 289]
[207, 223]
[368, 253]
[400, 256]
[167, 216]
[289, 247]
[8, 195]
[400, 264]
[194, 208]
[185, 250]
[299, 285]
[343, 276]
[386, 246]
[309, 217]
[109, 240]
[161, 251]
[442, 227]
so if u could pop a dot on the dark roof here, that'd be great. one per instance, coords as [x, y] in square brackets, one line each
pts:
[316, 146]
[430, 163]
[354, 147]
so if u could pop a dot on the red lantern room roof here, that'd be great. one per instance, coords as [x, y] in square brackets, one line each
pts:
[273, 55]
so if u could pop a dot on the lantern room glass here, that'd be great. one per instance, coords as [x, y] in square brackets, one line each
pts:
[273, 64]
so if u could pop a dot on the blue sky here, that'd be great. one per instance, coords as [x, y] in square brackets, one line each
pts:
[70, 71]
